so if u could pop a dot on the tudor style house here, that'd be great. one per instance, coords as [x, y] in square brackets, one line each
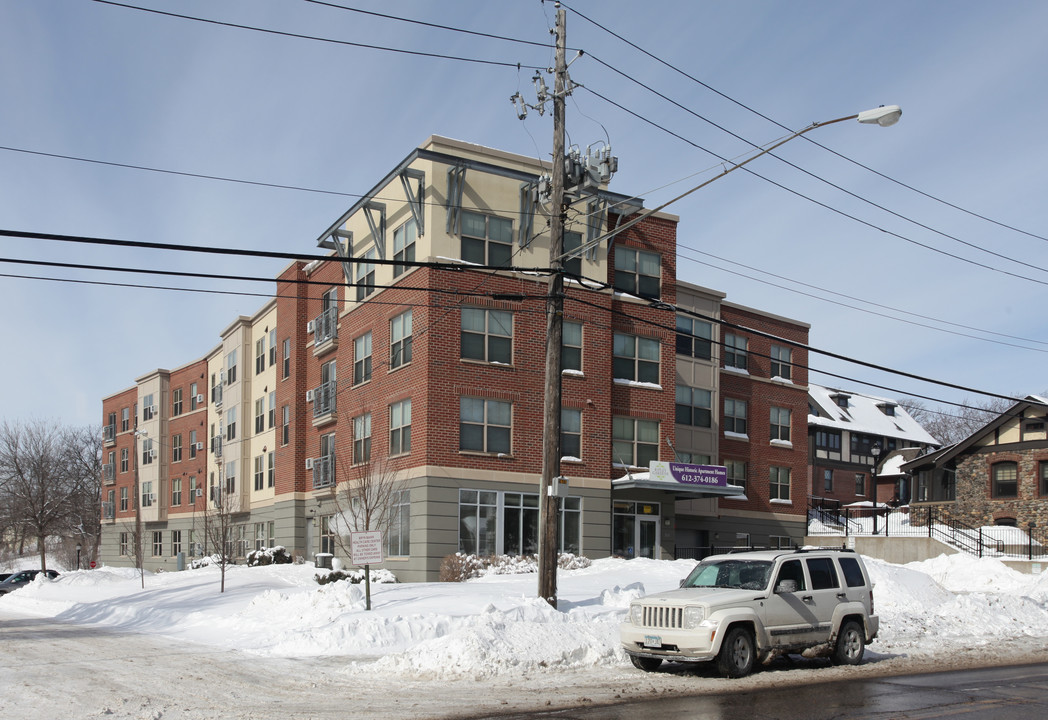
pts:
[998, 475]
[414, 346]
[855, 444]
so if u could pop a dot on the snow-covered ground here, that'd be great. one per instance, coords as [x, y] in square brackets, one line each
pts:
[494, 627]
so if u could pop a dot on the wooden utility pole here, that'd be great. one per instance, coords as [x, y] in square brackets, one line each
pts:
[554, 334]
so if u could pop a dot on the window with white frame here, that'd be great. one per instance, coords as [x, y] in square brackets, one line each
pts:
[572, 241]
[635, 358]
[158, 543]
[125, 419]
[735, 353]
[193, 396]
[404, 246]
[362, 438]
[260, 355]
[176, 491]
[571, 346]
[271, 471]
[231, 423]
[287, 358]
[637, 272]
[327, 534]
[779, 424]
[147, 407]
[486, 239]
[400, 340]
[827, 480]
[635, 442]
[147, 451]
[779, 483]
[362, 359]
[400, 427]
[398, 536]
[124, 538]
[285, 425]
[260, 415]
[231, 477]
[231, 367]
[1005, 479]
[693, 407]
[365, 275]
[484, 425]
[478, 522]
[272, 409]
[147, 494]
[781, 358]
[260, 472]
[735, 412]
[860, 484]
[487, 335]
[272, 347]
[736, 473]
[571, 433]
[124, 459]
[694, 337]
[176, 402]
[123, 499]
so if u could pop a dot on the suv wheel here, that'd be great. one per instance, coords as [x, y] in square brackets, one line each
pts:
[736, 657]
[645, 663]
[851, 643]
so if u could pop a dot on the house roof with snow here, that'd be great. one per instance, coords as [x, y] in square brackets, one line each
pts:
[863, 413]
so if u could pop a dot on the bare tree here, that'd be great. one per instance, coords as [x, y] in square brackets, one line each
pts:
[950, 424]
[40, 486]
[84, 462]
[218, 526]
[363, 499]
[135, 546]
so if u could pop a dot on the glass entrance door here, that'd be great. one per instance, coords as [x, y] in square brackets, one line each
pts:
[635, 529]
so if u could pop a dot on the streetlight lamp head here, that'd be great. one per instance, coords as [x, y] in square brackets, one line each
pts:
[885, 115]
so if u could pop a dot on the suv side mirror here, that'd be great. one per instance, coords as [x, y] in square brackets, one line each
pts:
[786, 586]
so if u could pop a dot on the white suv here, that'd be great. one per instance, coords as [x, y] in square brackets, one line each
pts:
[746, 607]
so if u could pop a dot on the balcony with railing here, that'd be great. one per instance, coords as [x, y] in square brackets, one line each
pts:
[108, 511]
[323, 471]
[109, 473]
[324, 404]
[325, 331]
[109, 434]
[216, 446]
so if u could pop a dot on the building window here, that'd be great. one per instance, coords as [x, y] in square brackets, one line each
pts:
[520, 523]
[1005, 479]
[285, 425]
[123, 460]
[362, 438]
[860, 484]
[231, 476]
[400, 340]
[404, 246]
[693, 406]
[176, 542]
[736, 473]
[571, 433]
[176, 448]
[123, 499]
[398, 536]
[271, 471]
[147, 407]
[231, 423]
[176, 402]
[780, 424]
[735, 416]
[176, 491]
[365, 275]
[327, 534]
[362, 359]
[572, 241]
[260, 415]
[637, 272]
[400, 427]
[193, 396]
[635, 358]
[272, 409]
[694, 338]
[260, 472]
[272, 347]
[158, 543]
[1042, 475]
[260, 355]
[692, 458]
[486, 239]
[780, 362]
[827, 480]
[192, 444]
[478, 522]
[192, 489]
[487, 335]
[571, 347]
[635, 442]
[231, 367]
[779, 483]
[260, 535]
[287, 358]
[484, 425]
[841, 400]
[147, 451]
[124, 544]
[828, 440]
[735, 351]
[125, 419]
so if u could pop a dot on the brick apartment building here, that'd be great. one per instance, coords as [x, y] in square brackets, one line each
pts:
[434, 377]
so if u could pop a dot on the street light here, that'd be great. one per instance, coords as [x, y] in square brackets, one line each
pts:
[78, 546]
[876, 452]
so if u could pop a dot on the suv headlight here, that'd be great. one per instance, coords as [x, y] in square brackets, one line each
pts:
[693, 616]
[637, 614]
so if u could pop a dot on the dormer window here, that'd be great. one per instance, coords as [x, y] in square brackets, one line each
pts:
[887, 409]
[841, 400]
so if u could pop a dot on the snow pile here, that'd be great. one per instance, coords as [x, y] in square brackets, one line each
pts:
[494, 625]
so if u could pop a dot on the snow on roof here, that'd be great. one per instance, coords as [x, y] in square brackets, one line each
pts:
[864, 414]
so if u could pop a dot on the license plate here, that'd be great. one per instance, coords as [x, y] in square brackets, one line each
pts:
[652, 641]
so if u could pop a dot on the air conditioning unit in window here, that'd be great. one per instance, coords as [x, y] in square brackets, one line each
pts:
[152, 498]
[152, 454]
[200, 398]
[199, 446]
[152, 410]
[309, 396]
[310, 326]
[309, 463]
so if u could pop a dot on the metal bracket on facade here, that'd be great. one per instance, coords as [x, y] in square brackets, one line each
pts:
[456, 185]
[529, 193]
[378, 227]
[415, 199]
[596, 211]
[341, 241]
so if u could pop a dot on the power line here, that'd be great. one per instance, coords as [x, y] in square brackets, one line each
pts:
[809, 139]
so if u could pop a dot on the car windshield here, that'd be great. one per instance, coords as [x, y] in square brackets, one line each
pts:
[729, 573]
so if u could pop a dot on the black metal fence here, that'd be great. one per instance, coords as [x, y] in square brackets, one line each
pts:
[1003, 541]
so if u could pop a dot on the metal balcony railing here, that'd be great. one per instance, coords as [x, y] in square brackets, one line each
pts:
[109, 434]
[325, 327]
[109, 473]
[323, 471]
[324, 399]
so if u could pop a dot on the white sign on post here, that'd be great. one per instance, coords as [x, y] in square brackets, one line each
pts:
[366, 547]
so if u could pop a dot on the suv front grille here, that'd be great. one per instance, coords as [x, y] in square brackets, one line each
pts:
[660, 616]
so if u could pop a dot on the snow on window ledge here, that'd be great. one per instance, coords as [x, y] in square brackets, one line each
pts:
[782, 443]
[776, 501]
[736, 370]
[729, 435]
[637, 384]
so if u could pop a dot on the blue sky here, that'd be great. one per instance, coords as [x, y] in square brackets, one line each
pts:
[119, 85]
